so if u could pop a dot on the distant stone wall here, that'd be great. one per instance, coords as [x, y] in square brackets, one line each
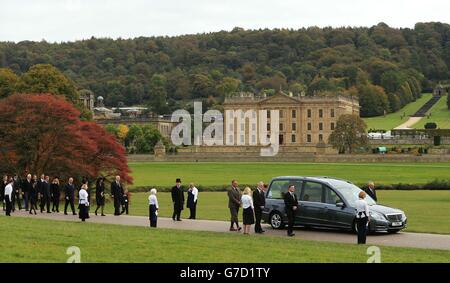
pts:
[408, 141]
[308, 157]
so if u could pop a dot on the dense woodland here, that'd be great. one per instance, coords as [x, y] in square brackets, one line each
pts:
[386, 67]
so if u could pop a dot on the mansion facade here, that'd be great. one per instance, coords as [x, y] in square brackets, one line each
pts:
[303, 120]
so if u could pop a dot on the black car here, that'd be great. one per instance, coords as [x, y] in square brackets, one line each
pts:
[327, 202]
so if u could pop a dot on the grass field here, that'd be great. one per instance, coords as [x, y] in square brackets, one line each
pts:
[114, 243]
[440, 114]
[427, 211]
[220, 174]
[393, 120]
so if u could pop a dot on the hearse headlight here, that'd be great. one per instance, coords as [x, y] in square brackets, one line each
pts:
[403, 216]
[377, 216]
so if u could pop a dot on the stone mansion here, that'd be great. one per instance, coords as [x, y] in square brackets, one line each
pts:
[304, 120]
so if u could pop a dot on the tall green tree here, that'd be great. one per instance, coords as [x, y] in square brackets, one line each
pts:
[373, 100]
[8, 82]
[158, 94]
[349, 134]
[44, 78]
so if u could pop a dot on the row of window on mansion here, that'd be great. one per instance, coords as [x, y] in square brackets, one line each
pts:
[281, 138]
[308, 113]
[293, 113]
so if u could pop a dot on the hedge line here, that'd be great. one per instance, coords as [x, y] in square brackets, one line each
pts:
[434, 185]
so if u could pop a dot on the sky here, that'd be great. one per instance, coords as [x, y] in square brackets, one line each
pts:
[69, 20]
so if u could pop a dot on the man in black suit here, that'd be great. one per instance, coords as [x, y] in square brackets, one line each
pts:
[27, 187]
[291, 205]
[16, 193]
[45, 195]
[371, 191]
[178, 200]
[117, 194]
[259, 201]
[69, 196]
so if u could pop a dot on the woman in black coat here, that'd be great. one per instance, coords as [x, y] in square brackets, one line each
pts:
[33, 195]
[100, 195]
[56, 194]
[2, 190]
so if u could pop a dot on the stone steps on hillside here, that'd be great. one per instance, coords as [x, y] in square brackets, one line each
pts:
[426, 107]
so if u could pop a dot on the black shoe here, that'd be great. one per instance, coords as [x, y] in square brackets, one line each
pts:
[178, 219]
[49, 212]
[263, 231]
[74, 213]
[30, 212]
[65, 213]
[96, 213]
[103, 215]
[291, 235]
[35, 213]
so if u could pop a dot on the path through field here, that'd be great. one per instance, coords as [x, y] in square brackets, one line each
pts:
[408, 124]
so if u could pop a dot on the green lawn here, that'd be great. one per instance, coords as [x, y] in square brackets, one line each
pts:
[393, 120]
[440, 114]
[427, 211]
[114, 243]
[220, 174]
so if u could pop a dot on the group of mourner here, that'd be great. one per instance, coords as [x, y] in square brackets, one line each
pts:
[33, 191]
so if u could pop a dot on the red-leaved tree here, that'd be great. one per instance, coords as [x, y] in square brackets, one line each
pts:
[42, 133]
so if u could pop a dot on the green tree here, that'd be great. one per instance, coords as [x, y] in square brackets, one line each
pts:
[146, 142]
[202, 86]
[349, 134]
[8, 81]
[158, 94]
[44, 78]
[373, 100]
[228, 86]
[448, 100]
[320, 85]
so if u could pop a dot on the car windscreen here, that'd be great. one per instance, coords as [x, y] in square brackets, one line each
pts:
[350, 192]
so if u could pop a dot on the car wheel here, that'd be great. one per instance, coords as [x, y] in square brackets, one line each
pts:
[276, 221]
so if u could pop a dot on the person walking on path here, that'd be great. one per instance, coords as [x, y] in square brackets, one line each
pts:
[177, 200]
[83, 203]
[248, 217]
[9, 196]
[259, 200]
[153, 208]
[362, 217]
[291, 205]
[192, 200]
[100, 195]
[234, 202]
